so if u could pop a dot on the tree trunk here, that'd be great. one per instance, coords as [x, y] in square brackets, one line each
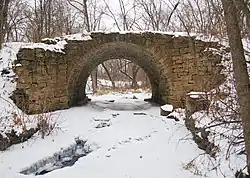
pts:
[41, 20]
[4, 4]
[1, 23]
[94, 80]
[48, 18]
[243, 7]
[135, 70]
[94, 73]
[109, 76]
[240, 70]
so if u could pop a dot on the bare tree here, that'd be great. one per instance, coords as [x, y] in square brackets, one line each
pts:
[241, 4]
[92, 15]
[240, 70]
[16, 22]
[94, 73]
[201, 16]
[124, 19]
[153, 13]
[4, 4]
[47, 18]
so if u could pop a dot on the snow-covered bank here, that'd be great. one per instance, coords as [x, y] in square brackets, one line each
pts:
[7, 86]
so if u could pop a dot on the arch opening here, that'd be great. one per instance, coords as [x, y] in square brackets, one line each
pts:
[119, 76]
[111, 51]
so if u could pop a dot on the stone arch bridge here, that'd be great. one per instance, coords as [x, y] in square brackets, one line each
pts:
[51, 77]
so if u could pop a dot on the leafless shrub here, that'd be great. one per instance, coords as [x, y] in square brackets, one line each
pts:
[46, 124]
[20, 120]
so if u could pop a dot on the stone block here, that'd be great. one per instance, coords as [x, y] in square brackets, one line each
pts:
[175, 52]
[26, 54]
[166, 109]
[39, 52]
[196, 102]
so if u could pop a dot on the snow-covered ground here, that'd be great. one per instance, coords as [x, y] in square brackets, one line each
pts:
[134, 141]
[146, 145]
[132, 146]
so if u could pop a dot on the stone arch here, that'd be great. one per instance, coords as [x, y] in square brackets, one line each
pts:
[51, 77]
[109, 51]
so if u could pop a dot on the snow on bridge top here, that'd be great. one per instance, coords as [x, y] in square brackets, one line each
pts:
[57, 44]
